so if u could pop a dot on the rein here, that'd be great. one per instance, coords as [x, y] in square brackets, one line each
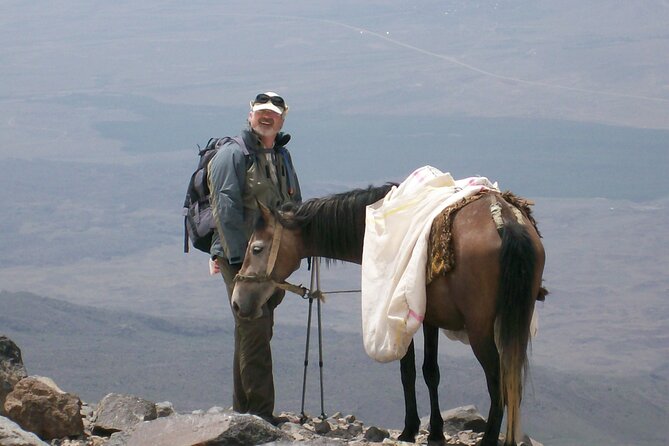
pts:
[260, 278]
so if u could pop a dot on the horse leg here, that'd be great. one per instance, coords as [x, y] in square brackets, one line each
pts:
[432, 377]
[487, 355]
[411, 420]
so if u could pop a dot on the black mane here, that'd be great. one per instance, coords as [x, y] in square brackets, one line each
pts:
[335, 224]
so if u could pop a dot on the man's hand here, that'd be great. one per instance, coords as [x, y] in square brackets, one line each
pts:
[214, 269]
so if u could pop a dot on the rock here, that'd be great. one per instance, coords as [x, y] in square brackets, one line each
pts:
[82, 441]
[12, 369]
[164, 409]
[376, 435]
[354, 429]
[39, 406]
[468, 437]
[118, 439]
[346, 428]
[341, 432]
[298, 432]
[87, 413]
[527, 441]
[220, 429]
[462, 419]
[318, 441]
[119, 412]
[11, 434]
[321, 427]
[217, 409]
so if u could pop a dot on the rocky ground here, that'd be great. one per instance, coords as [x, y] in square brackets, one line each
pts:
[35, 412]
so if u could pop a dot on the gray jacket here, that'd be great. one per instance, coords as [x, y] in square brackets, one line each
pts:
[239, 177]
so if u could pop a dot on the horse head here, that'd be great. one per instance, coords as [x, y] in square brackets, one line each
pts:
[271, 256]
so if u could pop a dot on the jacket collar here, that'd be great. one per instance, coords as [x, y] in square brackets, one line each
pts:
[252, 140]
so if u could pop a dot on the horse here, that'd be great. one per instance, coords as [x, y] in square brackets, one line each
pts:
[490, 291]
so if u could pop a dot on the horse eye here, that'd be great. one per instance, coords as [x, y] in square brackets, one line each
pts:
[256, 250]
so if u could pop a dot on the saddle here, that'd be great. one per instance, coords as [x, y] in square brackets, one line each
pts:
[441, 258]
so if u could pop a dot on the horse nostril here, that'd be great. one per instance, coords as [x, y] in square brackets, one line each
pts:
[235, 307]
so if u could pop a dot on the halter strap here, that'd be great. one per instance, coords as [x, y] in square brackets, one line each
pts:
[274, 251]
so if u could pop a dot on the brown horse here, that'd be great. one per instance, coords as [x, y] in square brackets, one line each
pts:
[490, 291]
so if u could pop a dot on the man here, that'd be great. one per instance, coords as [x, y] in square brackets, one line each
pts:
[239, 178]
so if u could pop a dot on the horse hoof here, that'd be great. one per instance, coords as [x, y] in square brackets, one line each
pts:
[406, 437]
[436, 440]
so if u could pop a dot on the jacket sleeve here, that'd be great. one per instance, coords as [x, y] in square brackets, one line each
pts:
[226, 177]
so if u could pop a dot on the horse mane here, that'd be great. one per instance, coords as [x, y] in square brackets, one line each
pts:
[334, 223]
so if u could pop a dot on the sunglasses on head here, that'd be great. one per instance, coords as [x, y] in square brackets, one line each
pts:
[262, 98]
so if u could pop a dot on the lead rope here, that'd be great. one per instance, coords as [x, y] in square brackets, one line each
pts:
[313, 294]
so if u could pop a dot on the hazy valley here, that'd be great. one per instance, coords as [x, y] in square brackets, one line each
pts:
[102, 105]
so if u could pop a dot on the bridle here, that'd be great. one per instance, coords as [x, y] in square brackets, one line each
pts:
[267, 275]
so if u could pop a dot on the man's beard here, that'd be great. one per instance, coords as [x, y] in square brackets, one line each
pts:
[265, 130]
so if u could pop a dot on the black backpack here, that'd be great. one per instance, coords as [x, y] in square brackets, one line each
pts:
[198, 219]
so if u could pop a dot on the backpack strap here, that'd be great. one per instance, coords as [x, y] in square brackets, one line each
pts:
[186, 243]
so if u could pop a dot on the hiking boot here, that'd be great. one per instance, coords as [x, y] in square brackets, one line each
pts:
[275, 421]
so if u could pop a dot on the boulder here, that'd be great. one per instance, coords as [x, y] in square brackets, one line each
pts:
[12, 369]
[220, 429]
[119, 412]
[376, 435]
[39, 406]
[11, 434]
[462, 419]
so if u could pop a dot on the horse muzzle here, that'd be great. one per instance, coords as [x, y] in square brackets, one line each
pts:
[248, 298]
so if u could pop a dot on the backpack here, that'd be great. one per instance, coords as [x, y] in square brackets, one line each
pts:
[198, 219]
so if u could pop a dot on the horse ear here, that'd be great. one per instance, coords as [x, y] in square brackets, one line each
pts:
[265, 212]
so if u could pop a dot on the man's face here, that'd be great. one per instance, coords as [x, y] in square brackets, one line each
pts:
[266, 122]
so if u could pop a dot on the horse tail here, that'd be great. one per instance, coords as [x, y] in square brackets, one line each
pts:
[515, 304]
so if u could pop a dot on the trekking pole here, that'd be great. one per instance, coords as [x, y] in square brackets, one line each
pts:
[303, 416]
[320, 335]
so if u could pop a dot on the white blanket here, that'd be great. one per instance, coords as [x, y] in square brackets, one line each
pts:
[394, 257]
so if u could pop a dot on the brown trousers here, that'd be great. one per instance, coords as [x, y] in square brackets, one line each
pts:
[253, 381]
